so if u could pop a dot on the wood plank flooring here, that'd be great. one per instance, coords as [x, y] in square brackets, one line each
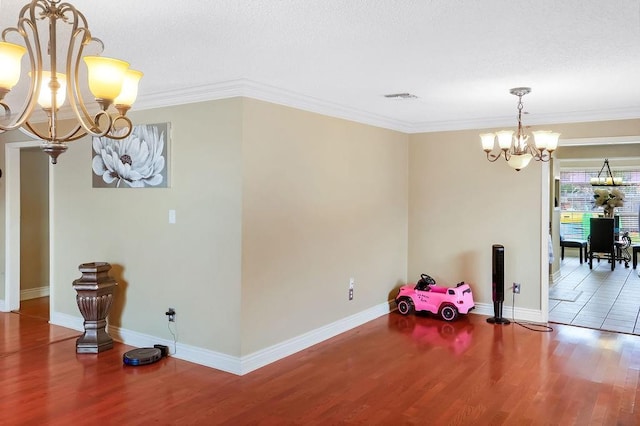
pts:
[38, 307]
[392, 371]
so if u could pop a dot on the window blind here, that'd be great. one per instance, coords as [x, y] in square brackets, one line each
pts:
[577, 203]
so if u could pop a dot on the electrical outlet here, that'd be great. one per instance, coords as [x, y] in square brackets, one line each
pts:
[352, 282]
[516, 288]
[171, 314]
[350, 294]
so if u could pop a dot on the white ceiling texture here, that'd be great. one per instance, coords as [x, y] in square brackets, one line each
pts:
[340, 57]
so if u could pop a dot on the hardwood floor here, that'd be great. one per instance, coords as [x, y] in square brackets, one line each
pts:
[38, 307]
[392, 371]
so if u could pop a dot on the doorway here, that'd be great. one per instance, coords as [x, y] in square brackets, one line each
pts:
[597, 298]
[27, 244]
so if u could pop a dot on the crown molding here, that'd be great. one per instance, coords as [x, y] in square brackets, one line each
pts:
[617, 140]
[538, 120]
[252, 89]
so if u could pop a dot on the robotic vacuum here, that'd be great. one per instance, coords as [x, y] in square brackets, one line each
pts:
[142, 356]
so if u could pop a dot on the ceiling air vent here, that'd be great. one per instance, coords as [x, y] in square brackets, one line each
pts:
[400, 96]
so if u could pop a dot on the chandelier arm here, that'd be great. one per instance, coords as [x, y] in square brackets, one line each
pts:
[535, 152]
[123, 132]
[78, 17]
[75, 134]
[606, 164]
[98, 130]
[543, 156]
[493, 157]
[31, 131]
[7, 110]
[75, 94]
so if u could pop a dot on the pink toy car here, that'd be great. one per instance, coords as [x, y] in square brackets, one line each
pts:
[446, 302]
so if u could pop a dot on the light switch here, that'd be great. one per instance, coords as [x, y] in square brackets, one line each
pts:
[172, 216]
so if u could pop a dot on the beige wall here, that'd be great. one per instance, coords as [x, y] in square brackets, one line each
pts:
[324, 200]
[193, 265]
[618, 153]
[34, 219]
[460, 204]
[276, 210]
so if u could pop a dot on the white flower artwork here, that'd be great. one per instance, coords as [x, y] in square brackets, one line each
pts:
[137, 161]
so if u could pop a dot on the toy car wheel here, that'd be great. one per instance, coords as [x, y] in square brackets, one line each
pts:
[448, 312]
[405, 306]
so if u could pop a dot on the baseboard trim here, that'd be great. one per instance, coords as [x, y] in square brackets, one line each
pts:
[229, 363]
[248, 363]
[281, 350]
[34, 293]
[67, 321]
[194, 354]
[524, 314]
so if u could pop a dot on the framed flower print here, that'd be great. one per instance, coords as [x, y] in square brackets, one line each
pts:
[138, 161]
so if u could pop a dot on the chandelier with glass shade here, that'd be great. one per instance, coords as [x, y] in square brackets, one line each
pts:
[56, 40]
[517, 149]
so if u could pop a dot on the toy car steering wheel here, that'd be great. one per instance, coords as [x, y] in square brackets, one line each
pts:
[427, 279]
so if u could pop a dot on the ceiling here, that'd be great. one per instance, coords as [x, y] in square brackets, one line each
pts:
[459, 57]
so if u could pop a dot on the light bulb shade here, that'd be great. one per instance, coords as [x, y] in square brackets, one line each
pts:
[504, 138]
[106, 76]
[10, 58]
[541, 138]
[488, 141]
[519, 161]
[552, 143]
[129, 91]
[45, 98]
[546, 139]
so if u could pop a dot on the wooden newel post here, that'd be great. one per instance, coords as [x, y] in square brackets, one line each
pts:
[95, 295]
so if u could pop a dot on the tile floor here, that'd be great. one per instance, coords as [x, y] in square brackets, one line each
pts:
[610, 300]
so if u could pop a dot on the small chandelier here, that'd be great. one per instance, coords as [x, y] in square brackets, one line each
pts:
[516, 149]
[113, 85]
[607, 178]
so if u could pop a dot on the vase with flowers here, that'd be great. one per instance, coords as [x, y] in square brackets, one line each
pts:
[608, 199]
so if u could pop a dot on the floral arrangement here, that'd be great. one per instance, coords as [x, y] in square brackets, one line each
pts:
[609, 199]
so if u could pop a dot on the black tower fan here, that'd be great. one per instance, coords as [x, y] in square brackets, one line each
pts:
[497, 279]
